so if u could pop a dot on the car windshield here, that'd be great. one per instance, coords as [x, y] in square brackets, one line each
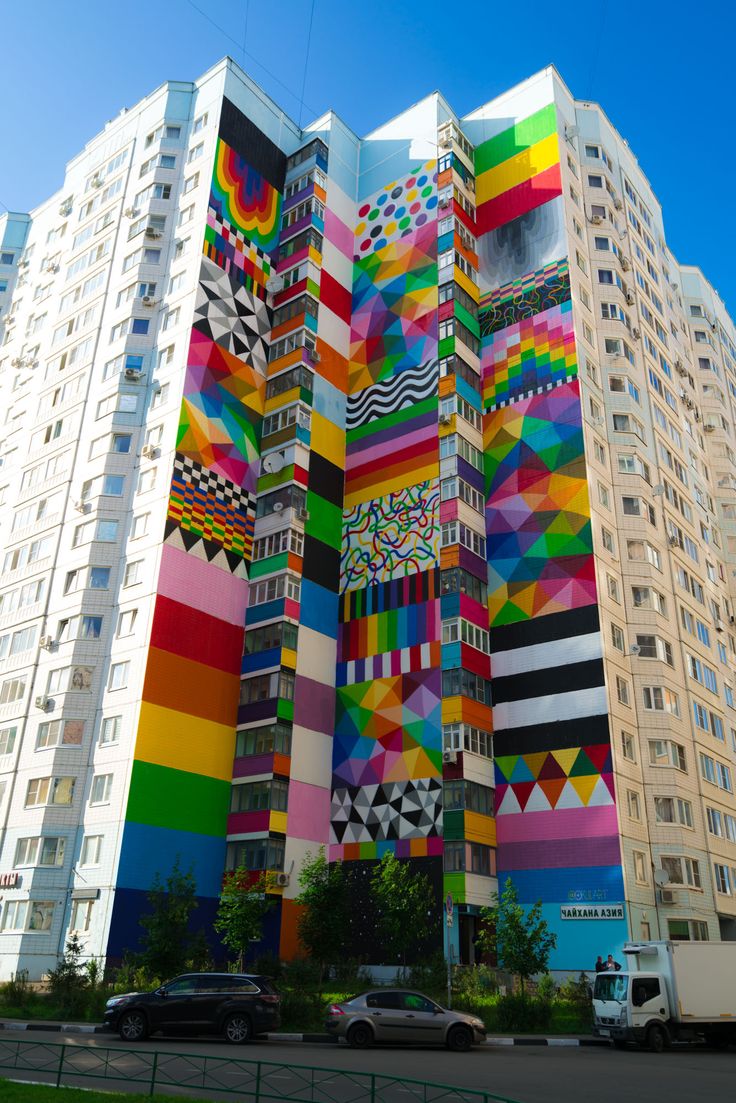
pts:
[611, 987]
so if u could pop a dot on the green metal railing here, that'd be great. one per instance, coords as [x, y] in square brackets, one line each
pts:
[64, 1063]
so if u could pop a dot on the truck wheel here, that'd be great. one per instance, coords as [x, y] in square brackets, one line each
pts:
[658, 1040]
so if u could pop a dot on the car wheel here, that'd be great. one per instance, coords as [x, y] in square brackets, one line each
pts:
[237, 1029]
[658, 1040]
[460, 1038]
[133, 1026]
[359, 1036]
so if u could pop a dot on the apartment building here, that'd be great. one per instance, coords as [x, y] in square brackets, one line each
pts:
[368, 493]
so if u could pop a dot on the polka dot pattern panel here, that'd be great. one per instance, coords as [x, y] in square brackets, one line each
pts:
[396, 210]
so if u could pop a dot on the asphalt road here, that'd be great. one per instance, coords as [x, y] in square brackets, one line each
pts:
[527, 1074]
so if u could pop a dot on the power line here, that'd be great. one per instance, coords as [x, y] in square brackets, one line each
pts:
[306, 63]
[240, 46]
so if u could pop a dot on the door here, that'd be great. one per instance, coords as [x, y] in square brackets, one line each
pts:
[418, 1020]
[383, 1011]
[648, 1001]
[177, 1005]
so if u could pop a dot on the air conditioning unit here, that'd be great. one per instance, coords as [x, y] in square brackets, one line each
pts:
[133, 375]
[446, 143]
[630, 298]
[303, 514]
[596, 219]
[444, 203]
[46, 642]
[313, 355]
[709, 428]
[449, 758]
[80, 505]
[444, 419]
[42, 703]
[680, 368]
[16, 362]
[274, 284]
[65, 209]
[151, 231]
[636, 333]
[148, 451]
[688, 402]
[674, 541]
[667, 896]
[732, 620]
[282, 880]
[618, 204]
[148, 300]
[130, 212]
[52, 268]
[625, 263]
[96, 182]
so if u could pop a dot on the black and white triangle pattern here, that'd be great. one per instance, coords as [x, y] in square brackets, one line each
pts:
[230, 315]
[204, 479]
[394, 810]
[206, 550]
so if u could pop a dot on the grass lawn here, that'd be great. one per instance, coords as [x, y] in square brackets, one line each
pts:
[43, 1093]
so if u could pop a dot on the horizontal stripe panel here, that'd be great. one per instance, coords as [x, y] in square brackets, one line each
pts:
[551, 707]
[515, 138]
[167, 737]
[600, 883]
[562, 823]
[163, 797]
[519, 200]
[577, 732]
[183, 577]
[186, 686]
[541, 655]
[559, 852]
[196, 635]
[529, 162]
[147, 851]
[548, 681]
[554, 626]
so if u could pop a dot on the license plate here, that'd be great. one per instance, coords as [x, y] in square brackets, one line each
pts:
[604, 1033]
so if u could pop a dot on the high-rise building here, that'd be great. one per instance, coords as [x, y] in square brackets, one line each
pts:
[374, 494]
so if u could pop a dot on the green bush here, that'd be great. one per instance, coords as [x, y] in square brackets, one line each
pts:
[17, 992]
[519, 1013]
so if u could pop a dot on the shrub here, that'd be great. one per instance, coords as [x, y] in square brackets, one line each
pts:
[17, 992]
[519, 1013]
[546, 988]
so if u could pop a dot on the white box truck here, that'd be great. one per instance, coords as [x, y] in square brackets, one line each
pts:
[668, 991]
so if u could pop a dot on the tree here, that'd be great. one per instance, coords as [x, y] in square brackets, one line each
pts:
[520, 937]
[167, 940]
[241, 911]
[69, 981]
[324, 912]
[405, 906]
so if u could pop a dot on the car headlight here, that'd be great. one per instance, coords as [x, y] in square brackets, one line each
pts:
[116, 1000]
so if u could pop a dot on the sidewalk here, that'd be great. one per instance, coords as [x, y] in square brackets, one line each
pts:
[570, 1040]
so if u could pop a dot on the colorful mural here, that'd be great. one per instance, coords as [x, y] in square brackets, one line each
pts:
[392, 536]
[396, 210]
[180, 785]
[557, 831]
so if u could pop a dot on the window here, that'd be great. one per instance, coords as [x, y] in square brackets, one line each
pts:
[91, 847]
[661, 699]
[12, 689]
[260, 795]
[673, 810]
[640, 867]
[28, 915]
[612, 585]
[7, 740]
[266, 740]
[133, 572]
[119, 675]
[81, 916]
[53, 733]
[653, 647]
[633, 803]
[617, 638]
[681, 870]
[607, 541]
[139, 525]
[255, 854]
[121, 443]
[110, 730]
[42, 791]
[665, 752]
[628, 746]
[101, 789]
[622, 690]
[722, 878]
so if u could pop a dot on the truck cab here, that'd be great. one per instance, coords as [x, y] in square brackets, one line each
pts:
[627, 1006]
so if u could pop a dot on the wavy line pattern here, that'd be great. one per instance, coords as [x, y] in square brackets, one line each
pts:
[396, 393]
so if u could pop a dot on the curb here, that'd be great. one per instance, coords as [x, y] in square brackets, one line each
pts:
[502, 1040]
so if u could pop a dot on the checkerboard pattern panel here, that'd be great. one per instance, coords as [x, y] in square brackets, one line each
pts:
[211, 507]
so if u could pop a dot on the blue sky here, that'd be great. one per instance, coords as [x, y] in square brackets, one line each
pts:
[663, 72]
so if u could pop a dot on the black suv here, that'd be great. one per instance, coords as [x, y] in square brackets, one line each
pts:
[239, 1006]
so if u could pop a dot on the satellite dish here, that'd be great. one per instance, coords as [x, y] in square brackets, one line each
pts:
[635, 649]
[661, 878]
[273, 462]
[278, 507]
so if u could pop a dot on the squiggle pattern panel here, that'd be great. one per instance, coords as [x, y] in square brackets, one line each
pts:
[243, 198]
[396, 210]
[392, 536]
[525, 297]
[397, 393]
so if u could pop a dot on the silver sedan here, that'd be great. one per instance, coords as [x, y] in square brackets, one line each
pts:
[399, 1015]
